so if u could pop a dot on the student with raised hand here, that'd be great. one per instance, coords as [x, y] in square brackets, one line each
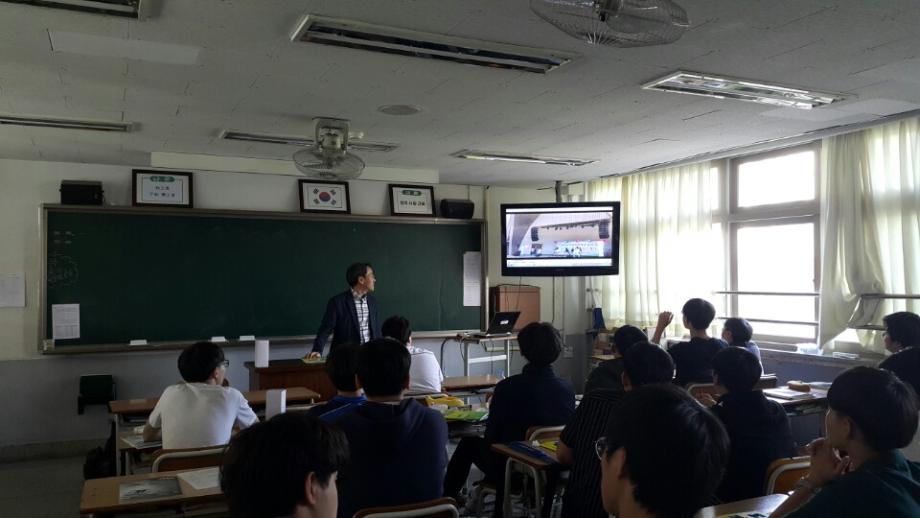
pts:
[608, 373]
[693, 359]
[200, 411]
[644, 364]
[535, 397]
[397, 446]
[648, 466]
[340, 367]
[285, 466]
[425, 374]
[872, 414]
[737, 332]
[902, 338]
[758, 428]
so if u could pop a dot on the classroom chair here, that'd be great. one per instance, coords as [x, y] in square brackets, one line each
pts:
[190, 458]
[531, 475]
[438, 508]
[782, 474]
[95, 389]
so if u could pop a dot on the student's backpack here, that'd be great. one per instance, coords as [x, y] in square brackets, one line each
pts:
[100, 461]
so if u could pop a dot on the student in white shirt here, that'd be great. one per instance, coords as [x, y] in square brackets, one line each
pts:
[425, 374]
[200, 411]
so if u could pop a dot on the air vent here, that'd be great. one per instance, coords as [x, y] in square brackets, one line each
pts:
[404, 42]
[43, 122]
[512, 157]
[722, 87]
[357, 145]
[124, 8]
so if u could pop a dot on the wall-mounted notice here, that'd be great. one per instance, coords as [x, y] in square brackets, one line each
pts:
[472, 278]
[65, 321]
[12, 290]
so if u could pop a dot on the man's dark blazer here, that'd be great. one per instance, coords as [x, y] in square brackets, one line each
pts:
[341, 319]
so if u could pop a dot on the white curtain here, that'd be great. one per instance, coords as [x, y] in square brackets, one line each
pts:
[870, 226]
[668, 250]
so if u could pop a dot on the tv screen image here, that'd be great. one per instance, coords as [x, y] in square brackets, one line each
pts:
[560, 239]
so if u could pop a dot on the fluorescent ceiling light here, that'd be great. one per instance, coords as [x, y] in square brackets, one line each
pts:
[696, 83]
[512, 157]
[126, 8]
[46, 122]
[141, 50]
[392, 40]
[359, 145]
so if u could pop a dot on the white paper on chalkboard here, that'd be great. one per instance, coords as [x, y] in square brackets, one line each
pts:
[472, 278]
[65, 321]
[12, 290]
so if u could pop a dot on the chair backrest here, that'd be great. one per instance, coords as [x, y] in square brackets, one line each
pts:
[544, 433]
[438, 508]
[191, 458]
[767, 381]
[695, 389]
[782, 474]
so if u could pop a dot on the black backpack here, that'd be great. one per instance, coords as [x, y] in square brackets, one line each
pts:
[100, 461]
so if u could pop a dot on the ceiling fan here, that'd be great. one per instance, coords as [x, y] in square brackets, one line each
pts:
[328, 158]
[616, 23]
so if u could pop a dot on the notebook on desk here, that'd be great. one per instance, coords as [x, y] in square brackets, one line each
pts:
[502, 323]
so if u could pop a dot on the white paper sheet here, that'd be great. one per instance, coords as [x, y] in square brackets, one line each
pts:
[12, 290]
[275, 402]
[261, 359]
[201, 478]
[65, 321]
[472, 278]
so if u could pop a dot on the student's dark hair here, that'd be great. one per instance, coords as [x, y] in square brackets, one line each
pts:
[903, 327]
[625, 336]
[398, 328]
[675, 455]
[265, 465]
[647, 363]
[383, 366]
[354, 271]
[883, 407]
[740, 329]
[700, 313]
[540, 343]
[198, 361]
[340, 366]
[737, 368]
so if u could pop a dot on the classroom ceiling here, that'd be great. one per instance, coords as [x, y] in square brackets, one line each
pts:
[203, 66]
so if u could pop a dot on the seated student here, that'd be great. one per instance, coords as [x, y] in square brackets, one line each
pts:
[285, 466]
[534, 397]
[758, 428]
[340, 367]
[644, 363]
[872, 413]
[902, 337]
[397, 446]
[199, 412]
[425, 374]
[737, 332]
[608, 373]
[648, 466]
[693, 359]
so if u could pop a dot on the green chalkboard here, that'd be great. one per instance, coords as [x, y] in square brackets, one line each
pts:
[186, 275]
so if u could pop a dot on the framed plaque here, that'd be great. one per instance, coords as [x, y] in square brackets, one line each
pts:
[159, 188]
[411, 200]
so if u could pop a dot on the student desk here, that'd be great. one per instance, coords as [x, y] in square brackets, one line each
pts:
[550, 466]
[466, 340]
[797, 407]
[466, 383]
[763, 505]
[291, 373]
[124, 409]
[100, 495]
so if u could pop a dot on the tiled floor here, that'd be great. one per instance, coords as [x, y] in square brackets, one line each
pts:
[41, 488]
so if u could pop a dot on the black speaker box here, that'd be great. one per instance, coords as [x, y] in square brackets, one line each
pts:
[457, 209]
[81, 192]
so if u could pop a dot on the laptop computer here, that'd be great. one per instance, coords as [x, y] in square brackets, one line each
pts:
[502, 323]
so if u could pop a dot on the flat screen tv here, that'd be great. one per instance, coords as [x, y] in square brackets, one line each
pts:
[560, 239]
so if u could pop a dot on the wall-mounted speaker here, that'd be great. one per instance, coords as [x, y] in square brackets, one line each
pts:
[456, 209]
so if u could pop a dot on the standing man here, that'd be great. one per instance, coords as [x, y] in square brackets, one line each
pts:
[351, 316]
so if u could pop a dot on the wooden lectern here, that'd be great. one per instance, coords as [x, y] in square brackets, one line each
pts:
[291, 373]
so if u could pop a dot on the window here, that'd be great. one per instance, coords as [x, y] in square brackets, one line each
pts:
[771, 231]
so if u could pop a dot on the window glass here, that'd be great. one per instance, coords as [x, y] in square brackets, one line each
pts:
[777, 179]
